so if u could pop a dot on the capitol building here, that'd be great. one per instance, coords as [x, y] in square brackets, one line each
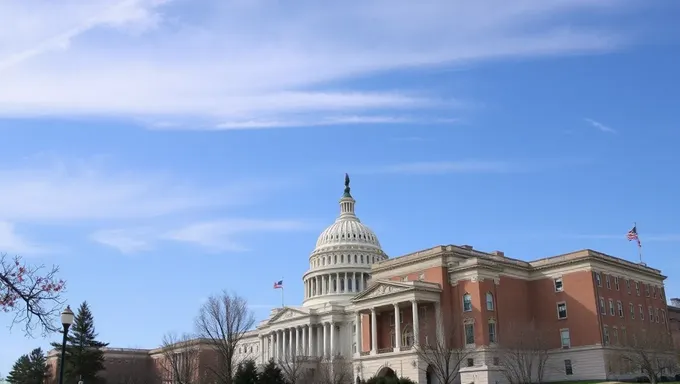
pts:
[380, 314]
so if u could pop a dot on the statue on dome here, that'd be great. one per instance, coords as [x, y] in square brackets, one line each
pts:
[347, 185]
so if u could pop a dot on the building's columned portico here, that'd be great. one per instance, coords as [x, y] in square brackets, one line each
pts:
[385, 297]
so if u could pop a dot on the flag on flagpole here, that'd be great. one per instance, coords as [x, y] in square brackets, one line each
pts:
[278, 284]
[633, 235]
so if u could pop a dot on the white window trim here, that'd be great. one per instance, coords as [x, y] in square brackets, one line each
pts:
[562, 339]
[566, 310]
[555, 280]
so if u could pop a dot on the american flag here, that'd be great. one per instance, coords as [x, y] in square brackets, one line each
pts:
[633, 235]
[278, 284]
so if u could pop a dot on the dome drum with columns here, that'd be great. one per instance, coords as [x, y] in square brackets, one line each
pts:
[340, 264]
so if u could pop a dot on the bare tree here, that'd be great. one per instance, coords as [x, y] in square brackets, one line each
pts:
[524, 353]
[31, 293]
[180, 360]
[298, 368]
[223, 321]
[652, 353]
[445, 353]
[333, 371]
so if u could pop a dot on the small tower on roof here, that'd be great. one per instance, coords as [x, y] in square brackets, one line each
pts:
[347, 203]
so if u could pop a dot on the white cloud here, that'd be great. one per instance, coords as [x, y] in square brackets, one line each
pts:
[126, 241]
[218, 236]
[601, 127]
[250, 61]
[13, 243]
[75, 192]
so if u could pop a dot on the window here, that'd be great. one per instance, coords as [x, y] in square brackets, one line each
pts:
[393, 339]
[354, 347]
[637, 288]
[632, 311]
[492, 332]
[654, 291]
[606, 335]
[559, 285]
[562, 310]
[663, 317]
[619, 307]
[651, 314]
[647, 290]
[467, 302]
[489, 301]
[407, 336]
[611, 307]
[615, 334]
[624, 336]
[568, 369]
[628, 285]
[496, 360]
[608, 281]
[656, 314]
[642, 313]
[603, 309]
[566, 338]
[598, 279]
[470, 362]
[469, 334]
[616, 283]
[391, 319]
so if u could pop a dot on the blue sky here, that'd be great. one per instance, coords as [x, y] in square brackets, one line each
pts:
[161, 151]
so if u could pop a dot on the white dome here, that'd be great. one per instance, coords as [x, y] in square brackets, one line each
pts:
[347, 231]
[340, 264]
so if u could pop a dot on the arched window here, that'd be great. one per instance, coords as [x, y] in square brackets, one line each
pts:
[489, 301]
[407, 336]
[467, 302]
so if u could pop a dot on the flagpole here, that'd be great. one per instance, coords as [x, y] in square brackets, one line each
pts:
[639, 243]
[282, 302]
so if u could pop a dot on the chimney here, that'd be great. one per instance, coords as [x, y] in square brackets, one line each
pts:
[498, 253]
[466, 246]
[675, 302]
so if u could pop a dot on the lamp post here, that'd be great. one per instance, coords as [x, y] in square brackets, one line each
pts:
[66, 321]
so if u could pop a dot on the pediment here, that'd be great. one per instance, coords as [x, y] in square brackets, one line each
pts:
[382, 288]
[287, 314]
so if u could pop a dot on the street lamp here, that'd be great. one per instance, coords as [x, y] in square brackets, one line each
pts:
[66, 321]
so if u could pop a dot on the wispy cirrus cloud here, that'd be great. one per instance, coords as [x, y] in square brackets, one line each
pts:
[599, 126]
[236, 63]
[216, 235]
[471, 166]
[87, 194]
[12, 242]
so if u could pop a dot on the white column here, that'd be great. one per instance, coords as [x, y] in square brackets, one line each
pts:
[284, 345]
[332, 353]
[357, 336]
[303, 341]
[319, 340]
[262, 349]
[310, 340]
[291, 342]
[416, 323]
[318, 285]
[397, 328]
[299, 343]
[438, 321]
[374, 332]
[345, 280]
[325, 340]
[361, 281]
[355, 284]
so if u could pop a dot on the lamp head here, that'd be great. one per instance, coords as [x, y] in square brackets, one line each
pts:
[67, 316]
